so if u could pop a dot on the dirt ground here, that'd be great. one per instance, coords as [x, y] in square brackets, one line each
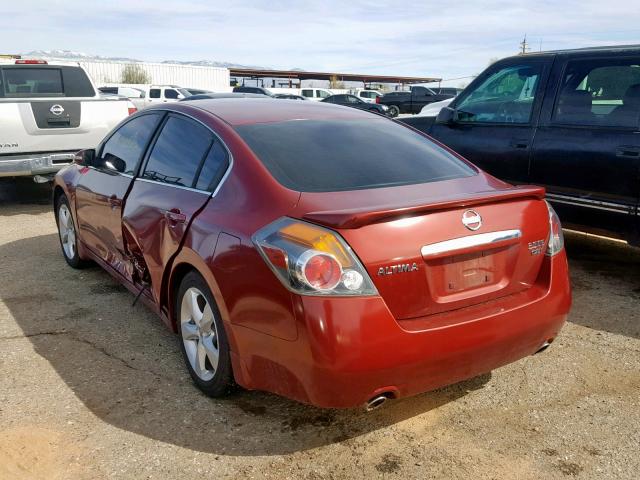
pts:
[92, 388]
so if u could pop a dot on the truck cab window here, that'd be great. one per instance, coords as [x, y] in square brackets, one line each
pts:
[505, 96]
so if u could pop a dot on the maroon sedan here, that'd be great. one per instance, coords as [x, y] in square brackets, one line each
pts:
[319, 252]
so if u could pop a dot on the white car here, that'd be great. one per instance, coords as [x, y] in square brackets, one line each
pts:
[165, 93]
[316, 94]
[368, 96]
[48, 112]
[433, 109]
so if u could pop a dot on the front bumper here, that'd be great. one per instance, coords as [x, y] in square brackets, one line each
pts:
[351, 349]
[34, 164]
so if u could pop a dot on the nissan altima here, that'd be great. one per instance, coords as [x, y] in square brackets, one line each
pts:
[325, 254]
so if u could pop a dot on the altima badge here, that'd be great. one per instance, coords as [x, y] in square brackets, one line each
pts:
[402, 268]
[472, 220]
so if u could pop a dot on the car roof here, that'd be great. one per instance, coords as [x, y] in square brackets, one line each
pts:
[246, 111]
[584, 51]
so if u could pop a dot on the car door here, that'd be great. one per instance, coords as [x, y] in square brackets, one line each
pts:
[495, 117]
[102, 188]
[587, 147]
[178, 175]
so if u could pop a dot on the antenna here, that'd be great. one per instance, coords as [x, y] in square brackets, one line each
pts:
[524, 46]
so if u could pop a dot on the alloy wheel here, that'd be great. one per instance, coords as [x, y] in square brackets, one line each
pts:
[67, 231]
[199, 334]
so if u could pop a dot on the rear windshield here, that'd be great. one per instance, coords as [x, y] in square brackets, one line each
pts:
[335, 155]
[26, 81]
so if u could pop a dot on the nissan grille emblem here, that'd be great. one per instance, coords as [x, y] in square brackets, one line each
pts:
[472, 220]
[56, 109]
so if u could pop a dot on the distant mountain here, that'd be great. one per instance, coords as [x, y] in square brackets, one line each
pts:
[80, 56]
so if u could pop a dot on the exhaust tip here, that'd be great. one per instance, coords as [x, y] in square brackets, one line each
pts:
[544, 346]
[376, 402]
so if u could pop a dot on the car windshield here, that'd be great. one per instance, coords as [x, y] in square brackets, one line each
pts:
[338, 155]
[184, 92]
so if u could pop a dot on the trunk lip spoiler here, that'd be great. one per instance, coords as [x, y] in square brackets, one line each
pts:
[358, 217]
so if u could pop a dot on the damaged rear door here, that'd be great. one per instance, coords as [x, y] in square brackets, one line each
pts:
[181, 169]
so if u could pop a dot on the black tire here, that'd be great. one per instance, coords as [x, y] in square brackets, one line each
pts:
[394, 111]
[222, 382]
[70, 255]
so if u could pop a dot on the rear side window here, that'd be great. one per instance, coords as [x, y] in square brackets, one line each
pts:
[213, 168]
[600, 92]
[335, 155]
[125, 147]
[307, 93]
[45, 81]
[154, 93]
[178, 152]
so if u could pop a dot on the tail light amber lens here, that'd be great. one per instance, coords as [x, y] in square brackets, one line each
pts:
[312, 260]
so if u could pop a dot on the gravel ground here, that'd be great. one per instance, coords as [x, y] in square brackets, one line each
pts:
[93, 388]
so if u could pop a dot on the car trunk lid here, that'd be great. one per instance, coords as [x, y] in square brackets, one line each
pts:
[443, 249]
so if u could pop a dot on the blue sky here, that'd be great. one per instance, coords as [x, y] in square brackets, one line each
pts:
[445, 39]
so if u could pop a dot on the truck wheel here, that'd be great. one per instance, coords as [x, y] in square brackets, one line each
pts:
[394, 111]
[204, 345]
[67, 233]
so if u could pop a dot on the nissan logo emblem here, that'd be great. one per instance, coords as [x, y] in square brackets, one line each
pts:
[56, 109]
[472, 220]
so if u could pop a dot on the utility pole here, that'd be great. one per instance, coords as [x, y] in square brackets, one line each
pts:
[524, 46]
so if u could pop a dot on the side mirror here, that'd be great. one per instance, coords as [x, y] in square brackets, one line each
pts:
[111, 162]
[447, 115]
[180, 96]
[85, 157]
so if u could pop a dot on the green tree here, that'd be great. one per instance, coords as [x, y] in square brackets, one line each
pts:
[134, 73]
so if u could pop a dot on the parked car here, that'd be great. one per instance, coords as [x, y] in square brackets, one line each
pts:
[49, 111]
[256, 90]
[411, 101]
[316, 94]
[197, 91]
[134, 95]
[289, 96]
[369, 96]
[321, 253]
[355, 102]
[165, 93]
[567, 120]
[209, 96]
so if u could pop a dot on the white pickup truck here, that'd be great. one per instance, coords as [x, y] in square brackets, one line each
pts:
[49, 111]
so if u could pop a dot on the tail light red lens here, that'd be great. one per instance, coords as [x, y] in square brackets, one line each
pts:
[31, 62]
[319, 270]
[312, 260]
[377, 99]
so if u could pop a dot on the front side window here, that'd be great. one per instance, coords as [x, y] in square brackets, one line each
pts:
[32, 82]
[123, 150]
[600, 92]
[171, 94]
[178, 152]
[154, 93]
[505, 96]
[338, 155]
[323, 94]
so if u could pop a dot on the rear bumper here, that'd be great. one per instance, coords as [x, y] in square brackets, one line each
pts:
[34, 164]
[350, 349]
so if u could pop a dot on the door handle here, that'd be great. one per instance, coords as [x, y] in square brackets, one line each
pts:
[628, 151]
[114, 201]
[519, 143]
[175, 216]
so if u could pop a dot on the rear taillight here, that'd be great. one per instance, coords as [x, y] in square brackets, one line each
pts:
[556, 238]
[31, 62]
[312, 260]
[132, 108]
[377, 99]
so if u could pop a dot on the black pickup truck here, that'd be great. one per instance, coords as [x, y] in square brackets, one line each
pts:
[567, 120]
[413, 101]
